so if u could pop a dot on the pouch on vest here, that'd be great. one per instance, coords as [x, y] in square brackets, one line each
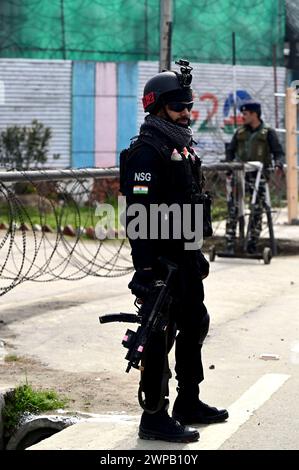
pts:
[199, 197]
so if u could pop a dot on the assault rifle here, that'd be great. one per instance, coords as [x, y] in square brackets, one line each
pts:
[152, 315]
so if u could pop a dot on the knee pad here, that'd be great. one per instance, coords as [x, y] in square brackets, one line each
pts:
[204, 327]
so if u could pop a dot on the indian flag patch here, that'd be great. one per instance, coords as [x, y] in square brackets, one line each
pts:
[140, 189]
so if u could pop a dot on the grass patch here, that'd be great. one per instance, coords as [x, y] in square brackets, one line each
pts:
[219, 209]
[61, 216]
[25, 399]
[12, 358]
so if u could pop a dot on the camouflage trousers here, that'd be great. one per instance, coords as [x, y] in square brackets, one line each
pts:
[235, 211]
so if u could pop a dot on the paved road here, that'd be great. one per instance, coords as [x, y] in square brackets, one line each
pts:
[254, 310]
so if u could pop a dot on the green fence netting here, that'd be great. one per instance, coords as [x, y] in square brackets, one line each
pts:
[128, 30]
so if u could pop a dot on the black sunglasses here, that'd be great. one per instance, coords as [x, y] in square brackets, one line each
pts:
[178, 107]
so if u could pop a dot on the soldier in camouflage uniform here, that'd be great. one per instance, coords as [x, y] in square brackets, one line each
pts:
[254, 141]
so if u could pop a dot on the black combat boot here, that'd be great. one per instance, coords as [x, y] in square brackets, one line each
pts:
[162, 427]
[188, 409]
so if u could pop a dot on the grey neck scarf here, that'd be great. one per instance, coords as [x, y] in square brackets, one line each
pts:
[179, 136]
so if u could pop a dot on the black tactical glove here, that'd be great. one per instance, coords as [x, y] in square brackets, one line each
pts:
[141, 282]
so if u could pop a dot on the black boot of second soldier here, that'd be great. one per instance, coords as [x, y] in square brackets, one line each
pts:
[160, 426]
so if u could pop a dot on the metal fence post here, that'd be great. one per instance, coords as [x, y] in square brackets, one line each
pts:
[291, 154]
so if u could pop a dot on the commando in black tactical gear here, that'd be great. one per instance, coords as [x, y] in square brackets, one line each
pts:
[161, 167]
[254, 141]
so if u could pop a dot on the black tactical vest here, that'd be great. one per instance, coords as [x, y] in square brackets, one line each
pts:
[182, 172]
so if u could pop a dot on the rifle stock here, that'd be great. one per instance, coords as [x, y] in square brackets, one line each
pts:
[120, 317]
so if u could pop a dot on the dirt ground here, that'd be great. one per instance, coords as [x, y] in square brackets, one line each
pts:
[86, 392]
[93, 392]
[99, 387]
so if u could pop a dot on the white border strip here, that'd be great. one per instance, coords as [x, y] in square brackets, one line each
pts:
[215, 435]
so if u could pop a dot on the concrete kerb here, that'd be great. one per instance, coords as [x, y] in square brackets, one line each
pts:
[4, 390]
[31, 428]
[2, 403]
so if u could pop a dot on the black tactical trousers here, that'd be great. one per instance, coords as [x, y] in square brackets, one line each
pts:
[189, 318]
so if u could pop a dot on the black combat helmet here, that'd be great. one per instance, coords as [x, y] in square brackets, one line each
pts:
[168, 86]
